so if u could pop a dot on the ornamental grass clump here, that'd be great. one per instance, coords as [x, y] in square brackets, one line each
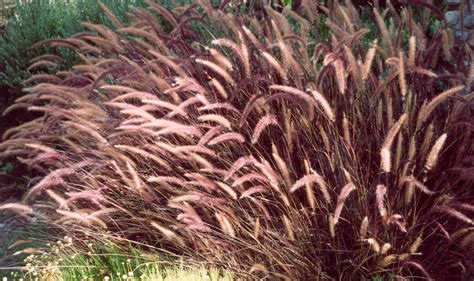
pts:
[263, 149]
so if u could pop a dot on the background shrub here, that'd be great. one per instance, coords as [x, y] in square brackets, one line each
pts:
[36, 20]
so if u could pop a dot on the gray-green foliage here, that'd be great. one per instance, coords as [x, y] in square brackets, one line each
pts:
[36, 20]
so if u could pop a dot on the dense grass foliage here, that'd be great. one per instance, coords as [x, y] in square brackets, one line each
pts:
[269, 150]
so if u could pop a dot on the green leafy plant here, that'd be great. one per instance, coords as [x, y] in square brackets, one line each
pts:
[7, 167]
[67, 259]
